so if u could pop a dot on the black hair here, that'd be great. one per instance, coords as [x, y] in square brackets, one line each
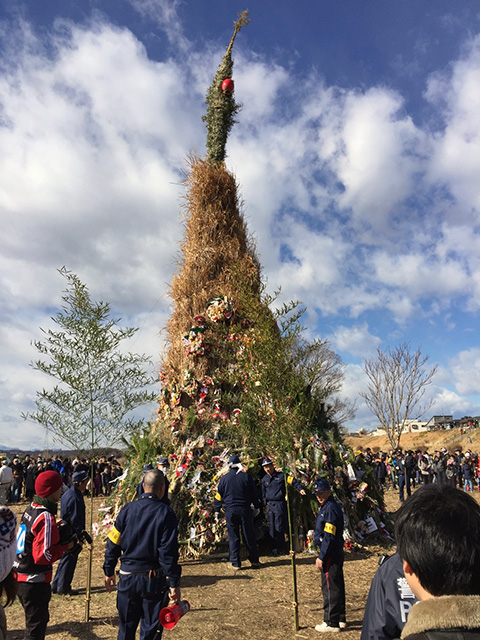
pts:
[438, 533]
[154, 480]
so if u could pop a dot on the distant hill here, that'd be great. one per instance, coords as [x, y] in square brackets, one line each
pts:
[429, 440]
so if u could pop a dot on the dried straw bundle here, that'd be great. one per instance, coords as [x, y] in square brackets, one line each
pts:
[215, 251]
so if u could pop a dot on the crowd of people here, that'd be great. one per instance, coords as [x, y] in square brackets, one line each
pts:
[404, 470]
[18, 475]
[437, 531]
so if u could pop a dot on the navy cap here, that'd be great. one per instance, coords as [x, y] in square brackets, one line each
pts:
[163, 461]
[234, 459]
[320, 485]
[79, 476]
[147, 467]
[266, 461]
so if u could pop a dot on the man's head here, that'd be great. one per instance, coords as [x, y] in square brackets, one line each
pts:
[233, 461]
[268, 466]
[49, 485]
[162, 463]
[154, 482]
[80, 480]
[321, 489]
[438, 538]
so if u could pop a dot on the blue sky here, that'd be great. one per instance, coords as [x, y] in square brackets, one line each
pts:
[357, 151]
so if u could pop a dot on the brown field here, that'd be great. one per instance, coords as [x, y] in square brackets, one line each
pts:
[429, 440]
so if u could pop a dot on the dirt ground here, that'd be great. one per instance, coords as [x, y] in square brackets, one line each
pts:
[244, 605]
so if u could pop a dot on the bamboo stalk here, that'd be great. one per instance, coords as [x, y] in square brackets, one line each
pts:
[90, 550]
[292, 561]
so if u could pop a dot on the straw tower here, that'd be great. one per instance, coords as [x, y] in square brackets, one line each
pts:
[218, 271]
[229, 377]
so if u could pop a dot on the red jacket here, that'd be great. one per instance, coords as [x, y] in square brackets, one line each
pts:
[38, 545]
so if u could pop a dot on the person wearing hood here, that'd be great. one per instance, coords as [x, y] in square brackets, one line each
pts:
[38, 547]
[163, 465]
[8, 584]
[236, 491]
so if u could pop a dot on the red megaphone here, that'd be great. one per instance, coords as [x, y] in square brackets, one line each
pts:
[169, 616]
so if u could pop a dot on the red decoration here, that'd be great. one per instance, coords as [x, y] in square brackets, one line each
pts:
[227, 85]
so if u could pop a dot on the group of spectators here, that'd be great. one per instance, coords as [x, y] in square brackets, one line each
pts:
[406, 469]
[18, 476]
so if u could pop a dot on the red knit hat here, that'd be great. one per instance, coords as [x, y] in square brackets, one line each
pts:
[47, 483]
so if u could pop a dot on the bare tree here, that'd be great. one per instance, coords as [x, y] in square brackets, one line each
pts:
[397, 381]
[323, 372]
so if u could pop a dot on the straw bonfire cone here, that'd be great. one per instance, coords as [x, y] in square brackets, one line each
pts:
[228, 378]
[208, 331]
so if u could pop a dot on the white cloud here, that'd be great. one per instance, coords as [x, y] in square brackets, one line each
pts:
[465, 368]
[447, 402]
[456, 157]
[356, 340]
[381, 153]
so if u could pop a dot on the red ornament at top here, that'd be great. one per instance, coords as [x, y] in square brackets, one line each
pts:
[227, 85]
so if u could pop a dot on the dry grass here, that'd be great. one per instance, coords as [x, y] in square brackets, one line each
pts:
[426, 440]
[216, 249]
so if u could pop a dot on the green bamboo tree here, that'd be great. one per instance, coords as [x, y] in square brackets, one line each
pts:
[97, 387]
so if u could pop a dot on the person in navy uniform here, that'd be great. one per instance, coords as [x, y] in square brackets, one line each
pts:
[144, 537]
[274, 499]
[389, 602]
[163, 465]
[328, 537]
[72, 510]
[236, 491]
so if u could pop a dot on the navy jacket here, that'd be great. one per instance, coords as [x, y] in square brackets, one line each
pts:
[273, 487]
[144, 537]
[328, 533]
[389, 601]
[236, 491]
[72, 507]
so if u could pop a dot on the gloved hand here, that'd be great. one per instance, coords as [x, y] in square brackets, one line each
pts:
[67, 532]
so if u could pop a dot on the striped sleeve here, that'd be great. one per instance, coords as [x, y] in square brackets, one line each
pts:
[46, 548]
